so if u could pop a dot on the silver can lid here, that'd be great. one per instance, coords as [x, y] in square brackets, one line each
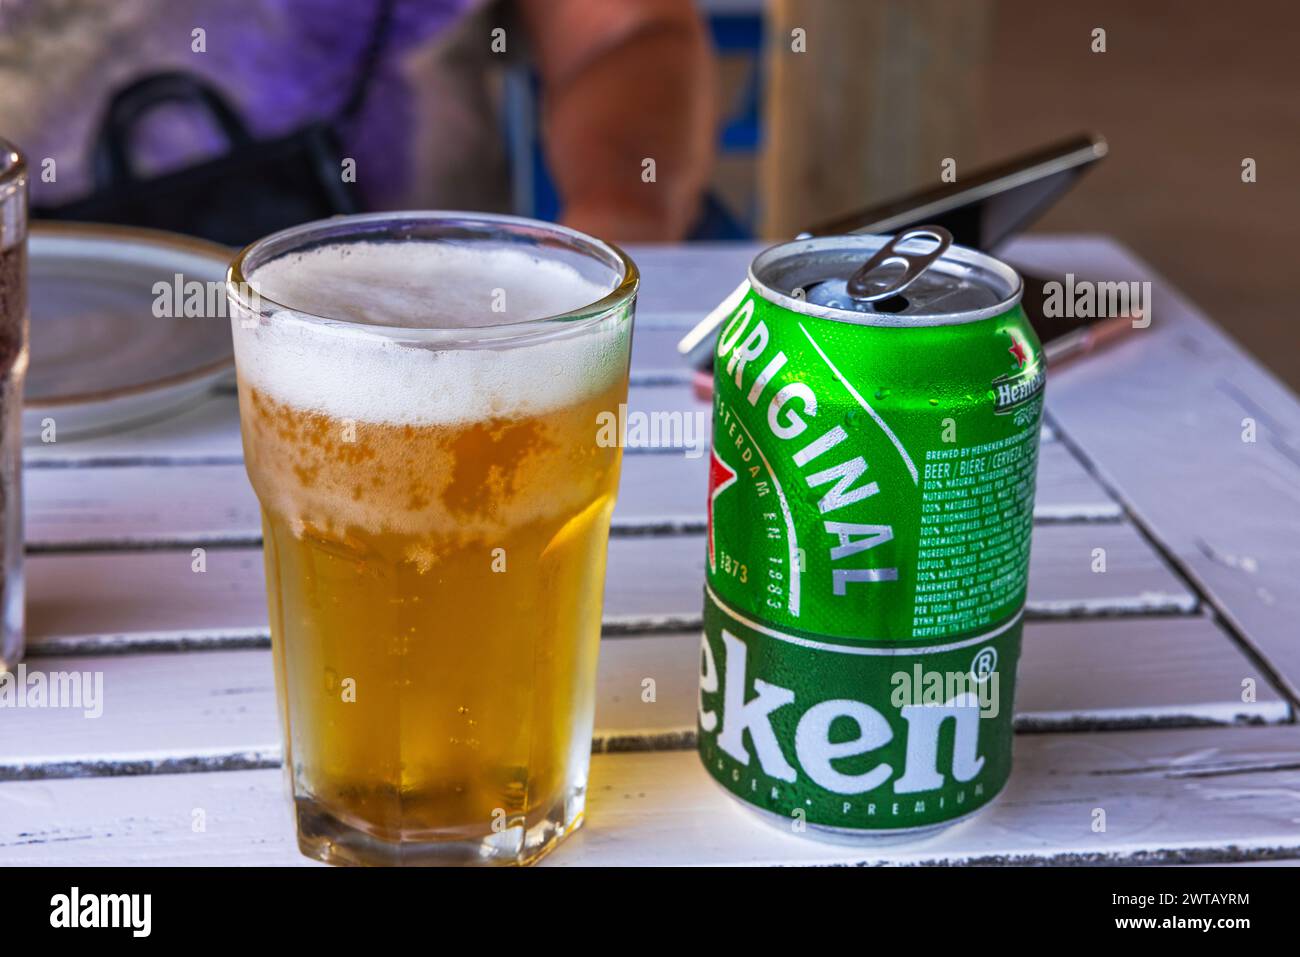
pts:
[916, 279]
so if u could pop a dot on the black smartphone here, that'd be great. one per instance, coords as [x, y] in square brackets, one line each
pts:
[987, 206]
[983, 210]
[990, 206]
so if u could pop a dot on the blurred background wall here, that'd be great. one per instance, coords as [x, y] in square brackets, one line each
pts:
[1185, 90]
[834, 105]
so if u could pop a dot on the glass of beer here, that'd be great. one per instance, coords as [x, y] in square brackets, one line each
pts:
[419, 397]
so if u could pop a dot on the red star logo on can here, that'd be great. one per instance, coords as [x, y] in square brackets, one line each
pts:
[1018, 350]
[721, 477]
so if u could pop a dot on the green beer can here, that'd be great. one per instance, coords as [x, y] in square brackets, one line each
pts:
[876, 416]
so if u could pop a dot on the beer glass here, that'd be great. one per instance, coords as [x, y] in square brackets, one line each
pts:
[419, 398]
[13, 368]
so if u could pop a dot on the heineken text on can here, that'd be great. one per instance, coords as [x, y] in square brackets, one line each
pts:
[877, 407]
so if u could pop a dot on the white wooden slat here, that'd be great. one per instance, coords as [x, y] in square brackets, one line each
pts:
[205, 434]
[164, 713]
[661, 494]
[154, 713]
[1200, 681]
[1294, 862]
[149, 820]
[1233, 788]
[659, 580]
[1214, 794]
[105, 507]
[1065, 492]
[88, 601]
[209, 434]
[655, 360]
[1063, 582]
[1138, 672]
[1163, 417]
[185, 505]
[171, 712]
[107, 601]
[689, 280]
[187, 712]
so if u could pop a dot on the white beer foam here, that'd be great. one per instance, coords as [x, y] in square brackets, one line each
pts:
[350, 373]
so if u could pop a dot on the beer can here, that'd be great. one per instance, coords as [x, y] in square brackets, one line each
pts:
[877, 406]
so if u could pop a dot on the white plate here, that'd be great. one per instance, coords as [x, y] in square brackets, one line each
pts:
[102, 357]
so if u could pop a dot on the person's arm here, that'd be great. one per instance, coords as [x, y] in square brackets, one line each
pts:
[623, 81]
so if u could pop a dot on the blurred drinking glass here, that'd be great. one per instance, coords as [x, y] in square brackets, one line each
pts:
[13, 368]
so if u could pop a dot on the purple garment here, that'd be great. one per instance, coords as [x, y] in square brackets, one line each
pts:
[280, 63]
[305, 72]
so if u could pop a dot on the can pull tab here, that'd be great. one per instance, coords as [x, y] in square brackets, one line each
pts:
[864, 288]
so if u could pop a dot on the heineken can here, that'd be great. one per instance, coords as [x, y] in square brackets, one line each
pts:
[876, 414]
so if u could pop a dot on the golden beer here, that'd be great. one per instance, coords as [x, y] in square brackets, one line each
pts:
[435, 510]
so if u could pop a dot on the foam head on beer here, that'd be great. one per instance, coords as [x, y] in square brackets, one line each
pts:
[362, 369]
[436, 507]
[421, 285]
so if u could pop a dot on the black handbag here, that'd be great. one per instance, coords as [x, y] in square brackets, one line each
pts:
[256, 187]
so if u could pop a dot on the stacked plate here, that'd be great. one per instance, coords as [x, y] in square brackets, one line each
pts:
[127, 326]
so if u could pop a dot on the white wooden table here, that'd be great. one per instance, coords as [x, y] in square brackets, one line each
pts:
[1131, 690]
